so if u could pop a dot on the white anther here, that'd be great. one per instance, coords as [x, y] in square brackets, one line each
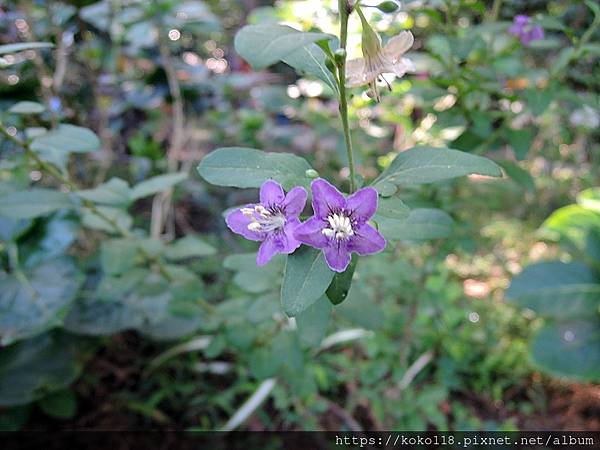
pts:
[262, 210]
[247, 211]
[340, 227]
[254, 226]
[328, 232]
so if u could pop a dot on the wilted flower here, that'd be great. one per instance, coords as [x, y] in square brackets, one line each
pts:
[523, 29]
[339, 225]
[379, 60]
[271, 221]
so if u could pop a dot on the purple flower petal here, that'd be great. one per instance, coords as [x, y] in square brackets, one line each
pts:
[337, 256]
[326, 198]
[521, 19]
[271, 193]
[287, 241]
[267, 250]
[366, 240]
[294, 202]
[238, 223]
[363, 203]
[311, 233]
[516, 30]
[536, 33]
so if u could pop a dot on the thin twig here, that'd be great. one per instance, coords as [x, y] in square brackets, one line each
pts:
[161, 205]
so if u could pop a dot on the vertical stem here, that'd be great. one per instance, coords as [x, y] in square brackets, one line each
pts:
[162, 202]
[495, 12]
[343, 9]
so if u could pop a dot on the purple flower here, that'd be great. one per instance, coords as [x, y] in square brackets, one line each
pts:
[339, 225]
[523, 29]
[272, 221]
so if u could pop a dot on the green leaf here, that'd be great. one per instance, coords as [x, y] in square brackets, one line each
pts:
[189, 247]
[33, 203]
[48, 240]
[518, 175]
[265, 44]
[594, 7]
[569, 349]
[520, 141]
[26, 107]
[31, 369]
[184, 315]
[573, 222]
[393, 207]
[115, 192]
[13, 229]
[557, 289]
[264, 308]
[310, 60]
[117, 256]
[135, 300]
[36, 300]
[341, 283]
[116, 215]
[421, 165]
[313, 322]
[564, 58]
[360, 309]
[590, 199]
[21, 46]
[305, 279]
[61, 404]
[67, 139]
[422, 223]
[249, 168]
[157, 184]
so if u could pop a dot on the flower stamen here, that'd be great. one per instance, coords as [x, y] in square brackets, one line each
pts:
[264, 220]
[341, 227]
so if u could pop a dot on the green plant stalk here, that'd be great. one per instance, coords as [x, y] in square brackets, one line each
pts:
[495, 12]
[344, 13]
[55, 173]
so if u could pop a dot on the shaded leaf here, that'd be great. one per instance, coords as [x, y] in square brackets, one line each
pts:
[26, 107]
[569, 349]
[38, 302]
[306, 278]
[313, 322]
[156, 184]
[31, 369]
[33, 203]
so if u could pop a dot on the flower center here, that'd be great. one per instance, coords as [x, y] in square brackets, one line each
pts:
[340, 227]
[264, 220]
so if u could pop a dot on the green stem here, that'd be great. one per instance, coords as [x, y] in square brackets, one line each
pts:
[495, 13]
[344, 13]
[55, 173]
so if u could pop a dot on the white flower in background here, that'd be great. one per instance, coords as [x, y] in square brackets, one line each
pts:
[378, 59]
[586, 117]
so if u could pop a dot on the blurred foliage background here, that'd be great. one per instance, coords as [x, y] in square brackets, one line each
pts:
[159, 318]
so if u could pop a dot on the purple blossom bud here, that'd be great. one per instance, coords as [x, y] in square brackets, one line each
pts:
[340, 225]
[526, 32]
[272, 221]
